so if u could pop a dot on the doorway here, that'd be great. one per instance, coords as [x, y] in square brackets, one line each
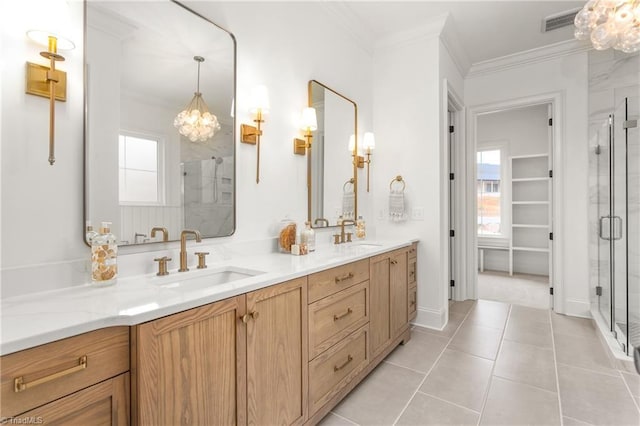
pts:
[514, 199]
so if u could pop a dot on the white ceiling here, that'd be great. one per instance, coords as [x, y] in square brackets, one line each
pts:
[485, 29]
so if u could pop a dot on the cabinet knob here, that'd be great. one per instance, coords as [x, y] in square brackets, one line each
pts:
[394, 262]
[254, 315]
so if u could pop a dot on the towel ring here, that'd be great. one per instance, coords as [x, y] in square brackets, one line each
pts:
[344, 187]
[398, 179]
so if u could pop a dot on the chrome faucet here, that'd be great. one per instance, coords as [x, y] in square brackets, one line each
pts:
[165, 232]
[183, 247]
[339, 239]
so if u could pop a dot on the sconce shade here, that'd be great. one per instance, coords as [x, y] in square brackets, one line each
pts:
[195, 121]
[308, 119]
[259, 100]
[369, 142]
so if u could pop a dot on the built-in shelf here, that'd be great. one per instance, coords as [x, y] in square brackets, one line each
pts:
[531, 201]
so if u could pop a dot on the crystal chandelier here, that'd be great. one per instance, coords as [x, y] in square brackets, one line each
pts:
[195, 121]
[610, 23]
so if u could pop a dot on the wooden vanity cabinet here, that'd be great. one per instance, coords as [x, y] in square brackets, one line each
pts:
[79, 380]
[389, 298]
[413, 281]
[240, 361]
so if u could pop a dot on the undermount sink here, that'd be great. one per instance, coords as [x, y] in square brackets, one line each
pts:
[204, 278]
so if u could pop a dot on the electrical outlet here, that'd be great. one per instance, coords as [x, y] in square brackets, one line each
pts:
[417, 213]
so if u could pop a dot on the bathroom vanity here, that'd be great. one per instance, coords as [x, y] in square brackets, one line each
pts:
[282, 342]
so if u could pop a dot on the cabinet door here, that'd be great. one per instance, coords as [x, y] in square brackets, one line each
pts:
[104, 404]
[189, 368]
[277, 354]
[399, 291]
[379, 303]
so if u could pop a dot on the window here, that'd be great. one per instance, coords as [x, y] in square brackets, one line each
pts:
[489, 196]
[140, 177]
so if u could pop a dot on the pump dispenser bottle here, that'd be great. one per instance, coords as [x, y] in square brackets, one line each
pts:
[104, 257]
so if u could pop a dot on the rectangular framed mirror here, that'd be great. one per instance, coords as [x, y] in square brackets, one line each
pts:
[332, 172]
[152, 161]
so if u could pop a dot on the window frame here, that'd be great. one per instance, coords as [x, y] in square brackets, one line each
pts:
[502, 239]
[161, 167]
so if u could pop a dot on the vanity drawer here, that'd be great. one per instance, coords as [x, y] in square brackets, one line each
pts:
[413, 302]
[326, 283]
[332, 370]
[36, 376]
[413, 270]
[333, 318]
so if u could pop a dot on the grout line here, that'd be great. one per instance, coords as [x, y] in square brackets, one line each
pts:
[579, 421]
[432, 367]
[343, 418]
[448, 402]
[528, 385]
[493, 367]
[633, 397]
[602, 373]
[405, 367]
[555, 365]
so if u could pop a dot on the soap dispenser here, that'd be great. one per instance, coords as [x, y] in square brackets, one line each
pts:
[90, 233]
[360, 228]
[104, 257]
[308, 237]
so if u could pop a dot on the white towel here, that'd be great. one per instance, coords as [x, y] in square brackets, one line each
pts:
[396, 206]
[348, 205]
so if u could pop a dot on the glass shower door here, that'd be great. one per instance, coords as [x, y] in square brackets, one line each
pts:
[603, 151]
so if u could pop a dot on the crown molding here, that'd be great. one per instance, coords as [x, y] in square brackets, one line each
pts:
[539, 54]
[451, 42]
[429, 30]
[349, 22]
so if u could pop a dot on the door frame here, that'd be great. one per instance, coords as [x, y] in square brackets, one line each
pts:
[556, 99]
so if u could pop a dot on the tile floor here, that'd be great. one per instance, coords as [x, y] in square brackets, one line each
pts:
[497, 364]
[519, 289]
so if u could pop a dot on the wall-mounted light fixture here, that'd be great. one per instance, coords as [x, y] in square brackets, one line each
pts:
[47, 81]
[259, 106]
[308, 123]
[368, 145]
[195, 121]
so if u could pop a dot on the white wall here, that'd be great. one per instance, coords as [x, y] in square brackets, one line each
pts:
[567, 76]
[42, 206]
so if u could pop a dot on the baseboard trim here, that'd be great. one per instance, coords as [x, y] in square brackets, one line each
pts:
[577, 308]
[431, 318]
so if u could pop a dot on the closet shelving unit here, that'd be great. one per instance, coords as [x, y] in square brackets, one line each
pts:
[530, 206]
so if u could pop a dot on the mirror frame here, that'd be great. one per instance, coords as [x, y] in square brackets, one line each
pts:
[353, 161]
[85, 130]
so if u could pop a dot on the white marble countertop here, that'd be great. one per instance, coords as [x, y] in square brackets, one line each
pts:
[38, 318]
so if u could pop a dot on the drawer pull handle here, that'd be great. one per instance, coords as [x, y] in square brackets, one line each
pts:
[394, 262]
[20, 385]
[339, 317]
[337, 368]
[344, 277]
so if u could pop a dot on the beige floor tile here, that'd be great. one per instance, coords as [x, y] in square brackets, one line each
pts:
[585, 352]
[510, 403]
[570, 421]
[461, 307]
[477, 340]
[332, 419]
[633, 381]
[596, 398]
[420, 352]
[532, 333]
[519, 289]
[527, 364]
[452, 325]
[459, 378]
[381, 397]
[526, 315]
[426, 410]
[573, 326]
[626, 366]
[488, 313]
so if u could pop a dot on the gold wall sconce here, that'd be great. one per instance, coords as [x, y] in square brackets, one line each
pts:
[308, 123]
[259, 106]
[47, 81]
[368, 145]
